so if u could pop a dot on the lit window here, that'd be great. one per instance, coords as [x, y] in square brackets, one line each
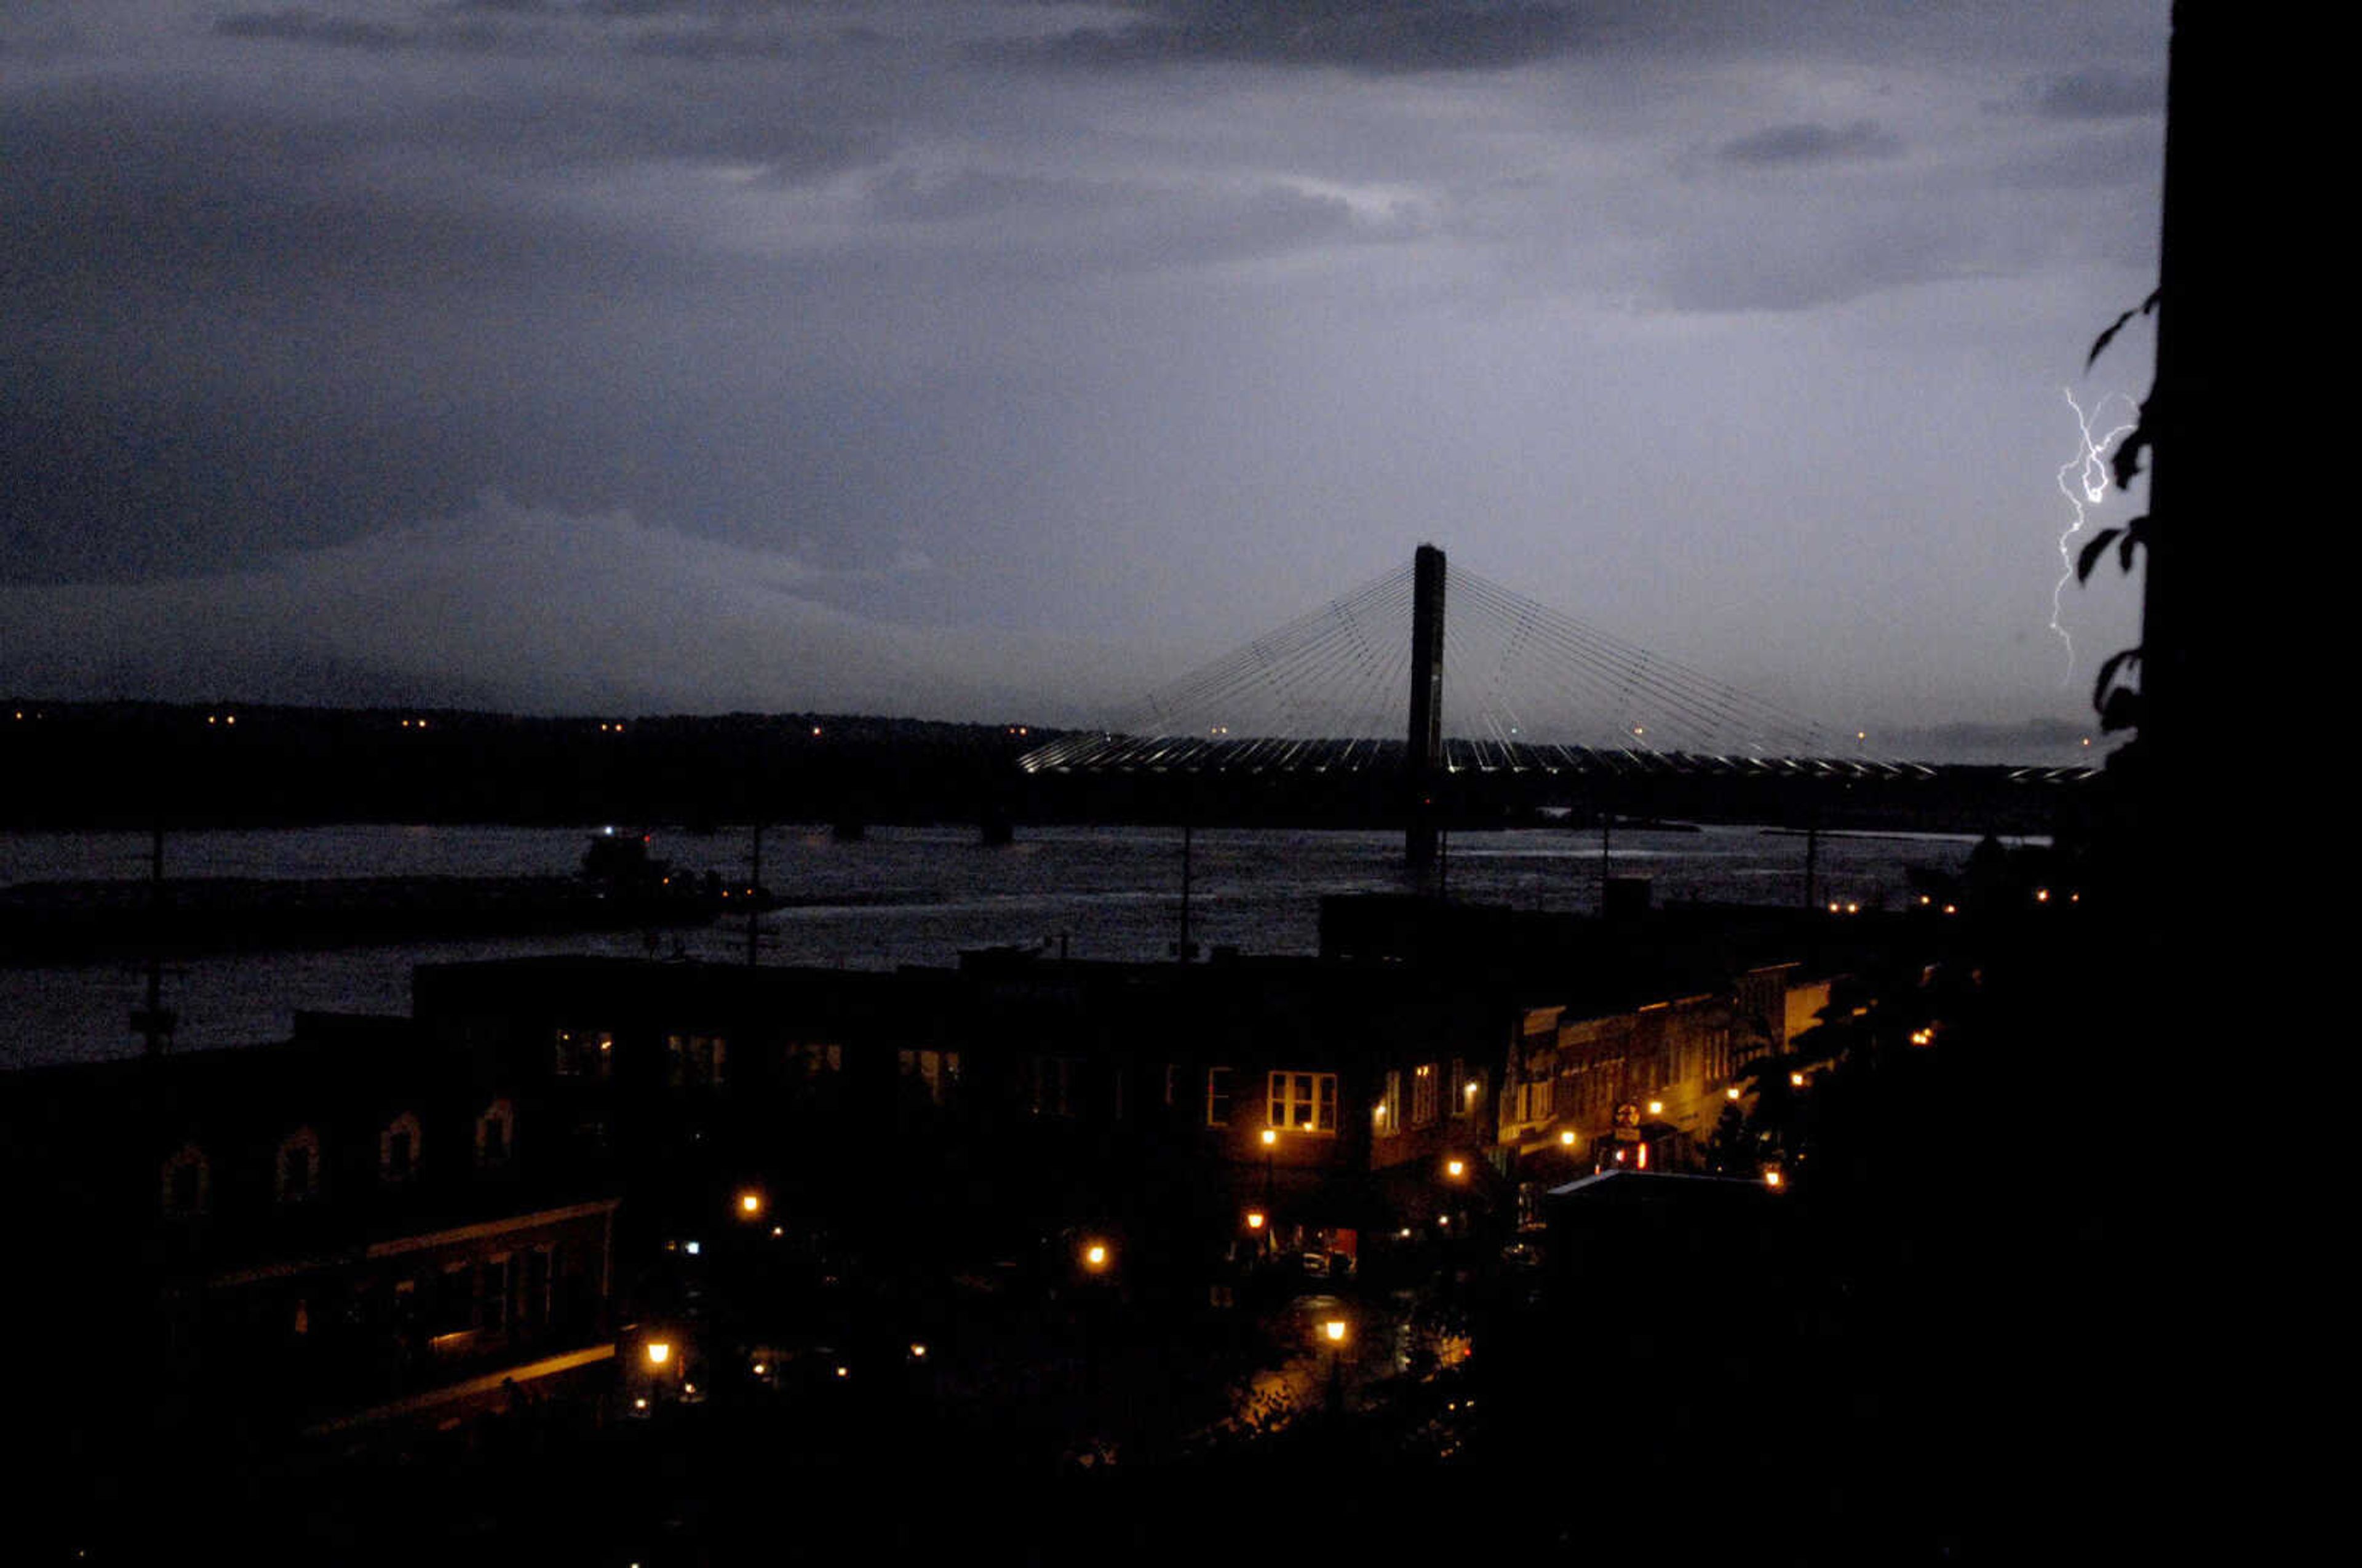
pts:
[1387, 1115]
[1423, 1096]
[1304, 1102]
[1054, 1084]
[584, 1054]
[1218, 1097]
[813, 1061]
[397, 1150]
[1534, 1101]
[298, 1168]
[695, 1061]
[495, 1134]
[937, 1072]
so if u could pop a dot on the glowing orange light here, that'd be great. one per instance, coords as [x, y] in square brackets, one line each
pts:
[1269, 1137]
[1770, 1178]
[1255, 1219]
[1797, 1080]
[1455, 1167]
[659, 1353]
[750, 1203]
[1566, 1139]
[1335, 1328]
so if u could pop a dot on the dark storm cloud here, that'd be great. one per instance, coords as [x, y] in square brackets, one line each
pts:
[504, 605]
[754, 308]
[298, 26]
[1052, 227]
[2096, 94]
[1360, 35]
[1776, 146]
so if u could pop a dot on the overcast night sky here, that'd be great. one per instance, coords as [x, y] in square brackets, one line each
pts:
[992, 360]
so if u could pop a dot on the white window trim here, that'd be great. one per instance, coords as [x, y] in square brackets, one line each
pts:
[1230, 1099]
[1282, 1102]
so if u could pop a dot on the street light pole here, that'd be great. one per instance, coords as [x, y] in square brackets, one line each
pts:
[1270, 1197]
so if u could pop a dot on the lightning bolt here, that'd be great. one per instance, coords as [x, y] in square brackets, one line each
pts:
[2083, 480]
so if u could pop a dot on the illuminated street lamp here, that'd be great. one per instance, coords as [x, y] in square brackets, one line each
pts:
[750, 1205]
[1566, 1139]
[1332, 1331]
[1255, 1218]
[1455, 1168]
[1795, 1080]
[1096, 1256]
[1270, 1146]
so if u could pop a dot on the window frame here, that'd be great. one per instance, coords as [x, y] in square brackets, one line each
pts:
[405, 1124]
[587, 1054]
[1221, 1092]
[1425, 1098]
[487, 1158]
[1289, 1091]
[286, 1194]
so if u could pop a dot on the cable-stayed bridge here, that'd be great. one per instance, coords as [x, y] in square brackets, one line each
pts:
[1530, 703]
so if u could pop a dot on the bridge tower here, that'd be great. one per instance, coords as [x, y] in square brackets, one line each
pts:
[1423, 759]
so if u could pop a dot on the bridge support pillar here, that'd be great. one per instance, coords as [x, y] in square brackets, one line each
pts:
[1423, 759]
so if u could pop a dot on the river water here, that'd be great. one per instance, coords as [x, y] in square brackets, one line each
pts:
[898, 895]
